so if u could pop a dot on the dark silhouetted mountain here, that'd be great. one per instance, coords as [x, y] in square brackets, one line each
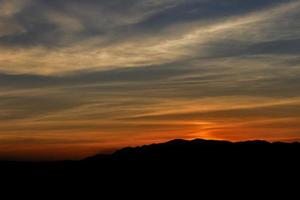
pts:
[204, 161]
[199, 151]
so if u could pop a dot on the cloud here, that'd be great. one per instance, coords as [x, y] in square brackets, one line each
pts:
[62, 38]
[9, 8]
[147, 69]
[257, 112]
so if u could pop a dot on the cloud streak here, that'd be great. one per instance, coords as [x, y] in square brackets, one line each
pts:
[103, 74]
[61, 42]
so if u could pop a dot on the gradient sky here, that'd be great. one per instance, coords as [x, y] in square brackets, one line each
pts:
[78, 77]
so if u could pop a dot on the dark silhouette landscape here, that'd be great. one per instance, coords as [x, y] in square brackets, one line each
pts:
[175, 159]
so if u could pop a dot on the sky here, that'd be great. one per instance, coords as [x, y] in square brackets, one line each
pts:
[80, 77]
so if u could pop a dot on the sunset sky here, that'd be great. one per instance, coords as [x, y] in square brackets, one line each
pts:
[79, 77]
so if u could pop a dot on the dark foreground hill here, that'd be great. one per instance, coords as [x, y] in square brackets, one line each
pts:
[174, 162]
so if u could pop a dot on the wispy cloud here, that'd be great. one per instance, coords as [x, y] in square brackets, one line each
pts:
[63, 39]
[149, 70]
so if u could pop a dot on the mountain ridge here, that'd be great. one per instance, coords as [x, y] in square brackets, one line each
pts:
[176, 159]
[178, 145]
